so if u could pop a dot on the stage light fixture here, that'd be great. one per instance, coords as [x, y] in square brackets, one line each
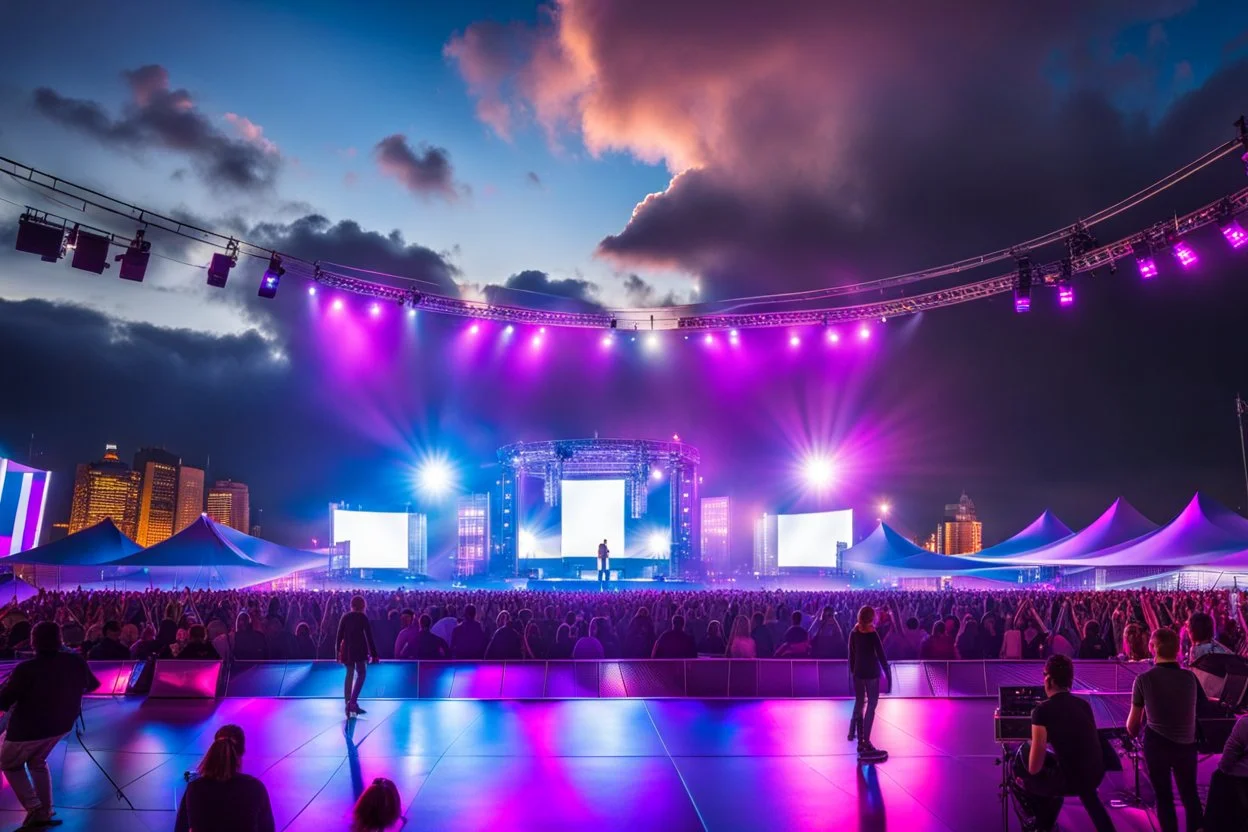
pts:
[337, 305]
[1184, 253]
[222, 262]
[536, 342]
[1022, 286]
[1234, 233]
[795, 341]
[834, 337]
[1065, 289]
[435, 476]
[863, 333]
[607, 341]
[656, 474]
[1144, 259]
[36, 236]
[614, 322]
[134, 259]
[272, 277]
[818, 471]
[312, 291]
[507, 330]
[411, 313]
[659, 543]
[652, 341]
[474, 329]
[375, 310]
[708, 339]
[91, 252]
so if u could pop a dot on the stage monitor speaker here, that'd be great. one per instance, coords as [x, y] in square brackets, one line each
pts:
[1224, 677]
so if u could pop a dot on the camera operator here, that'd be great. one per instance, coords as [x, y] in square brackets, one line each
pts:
[45, 697]
[1065, 722]
[1164, 700]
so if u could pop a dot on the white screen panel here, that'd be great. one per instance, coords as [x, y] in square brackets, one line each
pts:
[593, 511]
[811, 539]
[378, 539]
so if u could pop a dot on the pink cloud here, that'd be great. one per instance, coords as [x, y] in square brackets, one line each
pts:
[251, 132]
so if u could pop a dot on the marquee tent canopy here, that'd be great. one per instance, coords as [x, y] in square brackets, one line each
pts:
[96, 545]
[1120, 523]
[886, 551]
[1205, 533]
[1044, 530]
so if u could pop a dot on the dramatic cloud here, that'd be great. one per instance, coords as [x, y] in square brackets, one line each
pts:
[638, 292]
[161, 118]
[536, 288]
[806, 139]
[314, 237]
[425, 171]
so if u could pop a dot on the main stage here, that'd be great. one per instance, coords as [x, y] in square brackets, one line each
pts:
[628, 765]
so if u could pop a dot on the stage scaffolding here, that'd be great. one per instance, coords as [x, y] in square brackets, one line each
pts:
[632, 460]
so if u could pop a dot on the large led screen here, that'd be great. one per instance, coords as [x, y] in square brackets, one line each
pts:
[378, 538]
[23, 495]
[593, 511]
[811, 539]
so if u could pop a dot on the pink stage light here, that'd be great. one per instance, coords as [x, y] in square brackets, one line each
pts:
[834, 337]
[1184, 254]
[1233, 232]
[312, 291]
[656, 474]
[818, 471]
[794, 341]
[1066, 295]
[708, 339]
[337, 305]
[411, 313]
[474, 329]
[607, 341]
[863, 332]
[374, 310]
[536, 342]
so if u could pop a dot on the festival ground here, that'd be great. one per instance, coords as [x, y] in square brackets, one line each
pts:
[627, 765]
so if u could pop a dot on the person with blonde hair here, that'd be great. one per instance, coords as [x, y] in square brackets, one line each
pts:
[740, 642]
[379, 807]
[220, 798]
[866, 663]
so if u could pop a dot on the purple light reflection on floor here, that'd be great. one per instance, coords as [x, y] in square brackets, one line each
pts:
[605, 765]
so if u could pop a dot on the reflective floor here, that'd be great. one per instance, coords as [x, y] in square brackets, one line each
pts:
[627, 765]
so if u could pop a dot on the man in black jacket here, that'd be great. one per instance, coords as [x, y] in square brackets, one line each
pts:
[110, 648]
[44, 695]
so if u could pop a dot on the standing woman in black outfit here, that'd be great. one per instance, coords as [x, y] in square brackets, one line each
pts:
[866, 662]
[355, 649]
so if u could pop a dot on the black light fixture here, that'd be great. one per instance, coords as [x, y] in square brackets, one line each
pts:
[134, 259]
[91, 252]
[38, 236]
[1022, 285]
[219, 269]
[272, 277]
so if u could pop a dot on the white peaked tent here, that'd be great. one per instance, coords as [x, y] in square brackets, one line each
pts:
[884, 551]
[1120, 523]
[1044, 530]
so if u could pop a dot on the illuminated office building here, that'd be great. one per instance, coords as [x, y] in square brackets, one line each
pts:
[472, 551]
[961, 533]
[766, 545]
[230, 505]
[417, 544]
[716, 553]
[106, 489]
[190, 497]
[158, 495]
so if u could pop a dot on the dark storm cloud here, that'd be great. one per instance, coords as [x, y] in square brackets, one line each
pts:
[425, 171]
[640, 293]
[158, 117]
[536, 288]
[314, 237]
[808, 139]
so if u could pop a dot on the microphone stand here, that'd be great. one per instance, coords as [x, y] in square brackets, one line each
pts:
[79, 728]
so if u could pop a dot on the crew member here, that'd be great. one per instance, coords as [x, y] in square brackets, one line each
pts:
[604, 563]
[45, 696]
[1065, 722]
[1163, 707]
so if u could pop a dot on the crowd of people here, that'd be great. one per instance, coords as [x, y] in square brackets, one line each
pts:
[57, 631]
[519, 625]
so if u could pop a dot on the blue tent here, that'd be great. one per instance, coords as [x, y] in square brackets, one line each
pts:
[1120, 523]
[884, 551]
[1044, 530]
[96, 545]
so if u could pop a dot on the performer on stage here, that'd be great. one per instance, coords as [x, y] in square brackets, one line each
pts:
[604, 563]
[355, 649]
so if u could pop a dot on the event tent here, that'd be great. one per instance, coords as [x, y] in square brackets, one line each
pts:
[1205, 533]
[886, 551]
[96, 545]
[1120, 523]
[204, 554]
[13, 588]
[1044, 530]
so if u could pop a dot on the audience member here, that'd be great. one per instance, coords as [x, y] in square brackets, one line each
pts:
[675, 643]
[109, 647]
[740, 643]
[468, 638]
[590, 646]
[764, 642]
[197, 646]
[506, 644]
[713, 644]
[222, 798]
[1228, 788]
[379, 807]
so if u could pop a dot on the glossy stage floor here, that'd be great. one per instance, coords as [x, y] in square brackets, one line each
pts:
[602, 765]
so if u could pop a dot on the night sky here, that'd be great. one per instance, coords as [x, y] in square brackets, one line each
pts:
[630, 153]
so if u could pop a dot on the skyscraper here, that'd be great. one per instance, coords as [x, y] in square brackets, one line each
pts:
[106, 489]
[190, 497]
[766, 545]
[715, 529]
[472, 553]
[961, 533]
[230, 505]
[158, 495]
[417, 544]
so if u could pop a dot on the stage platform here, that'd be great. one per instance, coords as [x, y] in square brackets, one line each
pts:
[627, 765]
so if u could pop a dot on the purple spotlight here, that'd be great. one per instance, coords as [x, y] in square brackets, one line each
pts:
[474, 329]
[863, 332]
[374, 310]
[656, 474]
[1066, 295]
[607, 341]
[312, 291]
[337, 305]
[794, 341]
[508, 330]
[708, 339]
[834, 337]
[1234, 233]
[1148, 266]
[732, 333]
[411, 313]
[542, 331]
[1022, 303]
[536, 342]
[1184, 254]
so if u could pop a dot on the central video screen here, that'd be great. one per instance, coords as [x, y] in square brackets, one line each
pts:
[810, 540]
[593, 511]
[379, 539]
